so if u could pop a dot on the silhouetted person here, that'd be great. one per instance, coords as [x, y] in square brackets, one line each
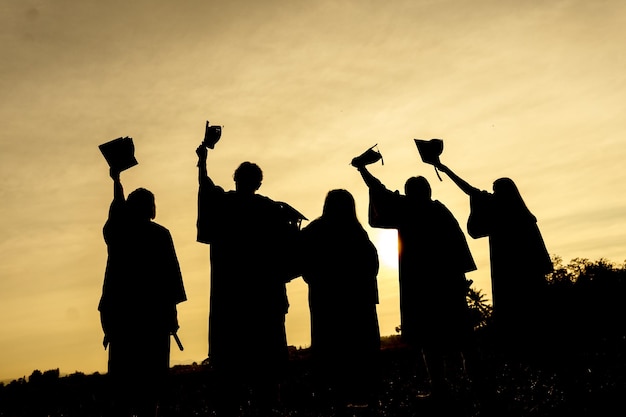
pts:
[340, 265]
[142, 286]
[519, 260]
[433, 259]
[251, 239]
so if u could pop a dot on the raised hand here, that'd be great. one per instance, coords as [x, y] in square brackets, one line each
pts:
[202, 151]
[115, 174]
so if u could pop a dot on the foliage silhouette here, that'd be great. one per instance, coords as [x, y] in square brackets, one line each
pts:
[480, 309]
[584, 373]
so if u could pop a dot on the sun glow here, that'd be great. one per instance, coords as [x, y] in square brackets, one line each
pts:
[387, 245]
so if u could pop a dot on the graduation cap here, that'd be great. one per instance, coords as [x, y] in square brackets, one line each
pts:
[370, 156]
[211, 135]
[429, 151]
[119, 153]
[293, 216]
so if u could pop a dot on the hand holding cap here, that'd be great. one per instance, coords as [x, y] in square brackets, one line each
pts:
[429, 151]
[211, 135]
[370, 156]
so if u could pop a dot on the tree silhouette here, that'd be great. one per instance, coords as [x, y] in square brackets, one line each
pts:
[480, 309]
[586, 376]
[585, 303]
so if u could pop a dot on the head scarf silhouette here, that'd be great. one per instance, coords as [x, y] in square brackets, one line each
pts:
[339, 207]
[508, 198]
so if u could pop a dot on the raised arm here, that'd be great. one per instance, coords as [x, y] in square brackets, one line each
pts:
[460, 182]
[202, 152]
[118, 194]
[203, 176]
[114, 223]
[370, 180]
[118, 190]
[383, 203]
[207, 197]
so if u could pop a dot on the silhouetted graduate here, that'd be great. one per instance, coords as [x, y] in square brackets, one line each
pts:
[252, 241]
[519, 258]
[433, 259]
[340, 265]
[142, 286]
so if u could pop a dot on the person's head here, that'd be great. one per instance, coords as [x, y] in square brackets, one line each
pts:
[141, 205]
[505, 191]
[248, 177]
[339, 206]
[508, 197]
[417, 189]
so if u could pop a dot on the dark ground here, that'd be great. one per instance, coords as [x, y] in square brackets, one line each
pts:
[568, 382]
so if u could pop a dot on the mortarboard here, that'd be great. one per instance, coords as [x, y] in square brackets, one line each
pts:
[119, 153]
[368, 157]
[429, 151]
[211, 135]
[293, 216]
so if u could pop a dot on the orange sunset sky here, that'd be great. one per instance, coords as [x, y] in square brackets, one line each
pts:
[533, 90]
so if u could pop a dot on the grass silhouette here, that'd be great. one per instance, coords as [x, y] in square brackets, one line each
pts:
[584, 384]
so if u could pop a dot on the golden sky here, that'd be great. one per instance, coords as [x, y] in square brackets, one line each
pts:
[532, 90]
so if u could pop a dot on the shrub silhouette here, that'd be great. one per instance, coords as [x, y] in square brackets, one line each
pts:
[586, 373]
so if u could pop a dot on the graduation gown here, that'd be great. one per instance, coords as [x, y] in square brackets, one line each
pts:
[433, 259]
[519, 261]
[251, 244]
[142, 286]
